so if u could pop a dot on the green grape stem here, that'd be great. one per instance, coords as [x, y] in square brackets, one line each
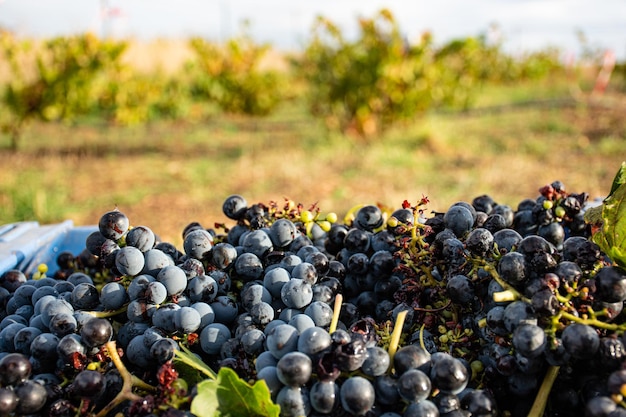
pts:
[130, 381]
[541, 399]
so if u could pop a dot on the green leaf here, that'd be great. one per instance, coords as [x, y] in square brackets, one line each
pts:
[188, 358]
[229, 395]
[611, 238]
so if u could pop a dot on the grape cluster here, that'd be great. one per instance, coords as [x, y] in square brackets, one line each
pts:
[475, 311]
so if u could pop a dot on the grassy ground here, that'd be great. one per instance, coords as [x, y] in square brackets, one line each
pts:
[168, 174]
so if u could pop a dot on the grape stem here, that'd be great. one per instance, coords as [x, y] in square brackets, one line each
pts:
[395, 335]
[130, 381]
[541, 399]
[336, 310]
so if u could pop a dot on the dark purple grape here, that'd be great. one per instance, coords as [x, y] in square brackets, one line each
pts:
[113, 225]
[294, 369]
[448, 374]
[357, 395]
[96, 332]
[14, 368]
[31, 396]
[8, 401]
[414, 386]
[611, 284]
[234, 207]
[368, 218]
[580, 340]
[88, 384]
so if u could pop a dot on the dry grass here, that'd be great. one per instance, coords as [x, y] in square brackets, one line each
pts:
[168, 174]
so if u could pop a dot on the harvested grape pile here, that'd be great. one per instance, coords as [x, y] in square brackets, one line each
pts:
[482, 310]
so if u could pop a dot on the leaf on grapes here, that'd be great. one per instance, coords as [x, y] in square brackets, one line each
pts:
[229, 395]
[187, 358]
[611, 238]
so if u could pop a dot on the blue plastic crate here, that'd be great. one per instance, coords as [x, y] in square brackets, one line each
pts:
[25, 245]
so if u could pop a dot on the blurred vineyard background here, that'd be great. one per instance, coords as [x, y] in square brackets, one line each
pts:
[166, 130]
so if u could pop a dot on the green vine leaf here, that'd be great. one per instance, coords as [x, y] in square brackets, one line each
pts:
[611, 237]
[229, 395]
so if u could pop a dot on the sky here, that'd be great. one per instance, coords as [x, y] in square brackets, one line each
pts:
[524, 25]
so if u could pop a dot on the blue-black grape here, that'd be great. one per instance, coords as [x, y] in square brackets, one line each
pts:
[31, 396]
[129, 261]
[174, 279]
[113, 224]
[414, 386]
[357, 395]
[282, 339]
[324, 396]
[294, 369]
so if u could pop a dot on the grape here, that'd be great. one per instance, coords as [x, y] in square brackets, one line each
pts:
[252, 341]
[62, 324]
[141, 237]
[357, 240]
[377, 361]
[164, 317]
[611, 284]
[154, 260]
[70, 348]
[137, 287]
[580, 340]
[24, 337]
[31, 396]
[88, 384]
[257, 242]
[320, 312]
[296, 293]
[113, 224]
[411, 357]
[113, 296]
[324, 396]
[305, 271]
[173, 278]
[187, 319]
[269, 375]
[357, 395]
[274, 279]
[129, 261]
[202, 288]
[138, 353]
[14, 368]
[163, 350]
[223, 255]
[282, 232]
[460, 289]
[294, 369]
[248, 266]
[234, 207]
[449, 375]
[198, 244]
[424, 408]
[529, 340]
[293, 401]
[140, 311]
[225, 309]
[207, 316]
[479, 402]
[281, 340]
[156, 293]
[301, 322]
[368, 218]
[212, 337]
[96, 332]
[262, 313]
[8, 401]
[313, 340]
[414, 386]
